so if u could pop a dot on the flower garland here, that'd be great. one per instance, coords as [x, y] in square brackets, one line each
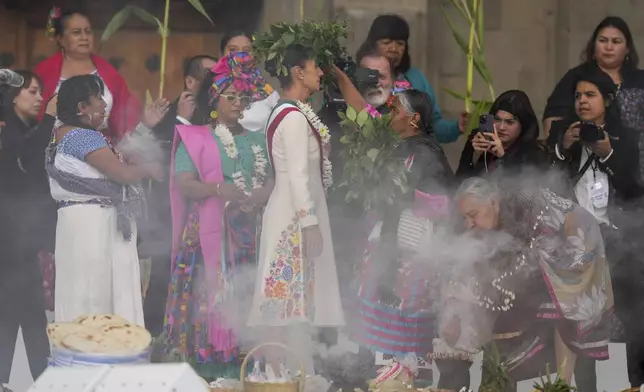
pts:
[325, 137]
[259, 164]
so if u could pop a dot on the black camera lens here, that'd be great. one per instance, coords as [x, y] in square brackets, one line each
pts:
[589, 132]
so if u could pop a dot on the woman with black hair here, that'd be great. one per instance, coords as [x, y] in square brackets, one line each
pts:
[393, 291]
[28, 221]
[296, 235]
[600, 157]
[512, 146]
[219, 185]
[390, 33]
[612, 50]
[99, 200]
[73, 33]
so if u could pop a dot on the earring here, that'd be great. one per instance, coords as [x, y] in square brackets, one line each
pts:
[214, 114]
[628, 56]
[413, 123]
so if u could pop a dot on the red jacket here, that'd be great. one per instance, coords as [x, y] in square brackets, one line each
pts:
[126, 111]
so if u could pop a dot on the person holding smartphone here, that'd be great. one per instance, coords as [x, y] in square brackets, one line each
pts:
[507, 137]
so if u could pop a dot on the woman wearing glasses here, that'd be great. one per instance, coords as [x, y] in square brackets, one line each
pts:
[220, 183]
[512, 146]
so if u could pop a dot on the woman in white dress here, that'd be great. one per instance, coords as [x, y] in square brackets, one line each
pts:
[97, 266]
[297, 282]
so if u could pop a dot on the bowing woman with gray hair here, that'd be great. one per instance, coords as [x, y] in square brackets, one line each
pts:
[560, 268]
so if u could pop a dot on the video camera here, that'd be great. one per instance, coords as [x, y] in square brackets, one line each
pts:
[362, 78]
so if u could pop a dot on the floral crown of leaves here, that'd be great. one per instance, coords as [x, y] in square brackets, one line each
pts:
[54, 15]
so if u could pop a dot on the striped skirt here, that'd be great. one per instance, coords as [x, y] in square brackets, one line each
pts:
[406, 324]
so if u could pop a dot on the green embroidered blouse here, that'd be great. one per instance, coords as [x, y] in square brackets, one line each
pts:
[244, 162]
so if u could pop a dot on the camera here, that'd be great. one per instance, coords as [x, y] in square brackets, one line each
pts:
[589, 132]
[362, 78]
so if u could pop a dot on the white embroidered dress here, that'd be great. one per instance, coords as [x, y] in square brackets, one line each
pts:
[290, 289]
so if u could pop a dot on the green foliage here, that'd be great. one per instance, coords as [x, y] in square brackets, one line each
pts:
[119, 19]
[471, 11]
[546, 384]
[478, 108]
[199, 7]
[495, 371]
[323, 37]
[373, 176]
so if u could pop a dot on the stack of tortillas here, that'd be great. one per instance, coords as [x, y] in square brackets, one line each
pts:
[100, 334]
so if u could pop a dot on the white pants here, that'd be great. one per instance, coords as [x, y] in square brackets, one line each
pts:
[97, 271]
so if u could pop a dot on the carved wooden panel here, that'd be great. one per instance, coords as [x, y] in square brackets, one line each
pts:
[226, 15]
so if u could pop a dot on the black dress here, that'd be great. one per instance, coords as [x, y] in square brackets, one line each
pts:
[28, 216]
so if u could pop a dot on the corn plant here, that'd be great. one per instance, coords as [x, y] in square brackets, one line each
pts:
[472, 12]
[119, 19]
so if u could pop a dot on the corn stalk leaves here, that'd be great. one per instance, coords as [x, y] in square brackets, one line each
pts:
[119, 19]
[479, 64]
[480, 24]
[199, 7]
[148, 97]
[466, 10]
[472, 12]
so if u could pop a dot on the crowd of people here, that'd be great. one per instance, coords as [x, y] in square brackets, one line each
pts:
[530, 243]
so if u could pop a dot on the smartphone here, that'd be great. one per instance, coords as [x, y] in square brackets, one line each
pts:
[486, 124]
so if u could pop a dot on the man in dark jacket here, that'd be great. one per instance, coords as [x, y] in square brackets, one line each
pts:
[156, 240]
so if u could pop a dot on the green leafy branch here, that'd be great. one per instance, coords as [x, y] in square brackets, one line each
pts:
[322, 37]
[373, 176]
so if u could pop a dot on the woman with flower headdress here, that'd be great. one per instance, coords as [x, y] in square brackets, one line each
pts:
[221, 182]
[73, 33]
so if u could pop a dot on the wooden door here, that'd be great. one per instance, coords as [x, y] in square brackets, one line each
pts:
[133, 53]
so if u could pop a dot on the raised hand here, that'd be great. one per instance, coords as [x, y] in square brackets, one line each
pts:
[154, 112]
[186, 105]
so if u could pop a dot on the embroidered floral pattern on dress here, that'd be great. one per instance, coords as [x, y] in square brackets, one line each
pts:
[289, 286]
